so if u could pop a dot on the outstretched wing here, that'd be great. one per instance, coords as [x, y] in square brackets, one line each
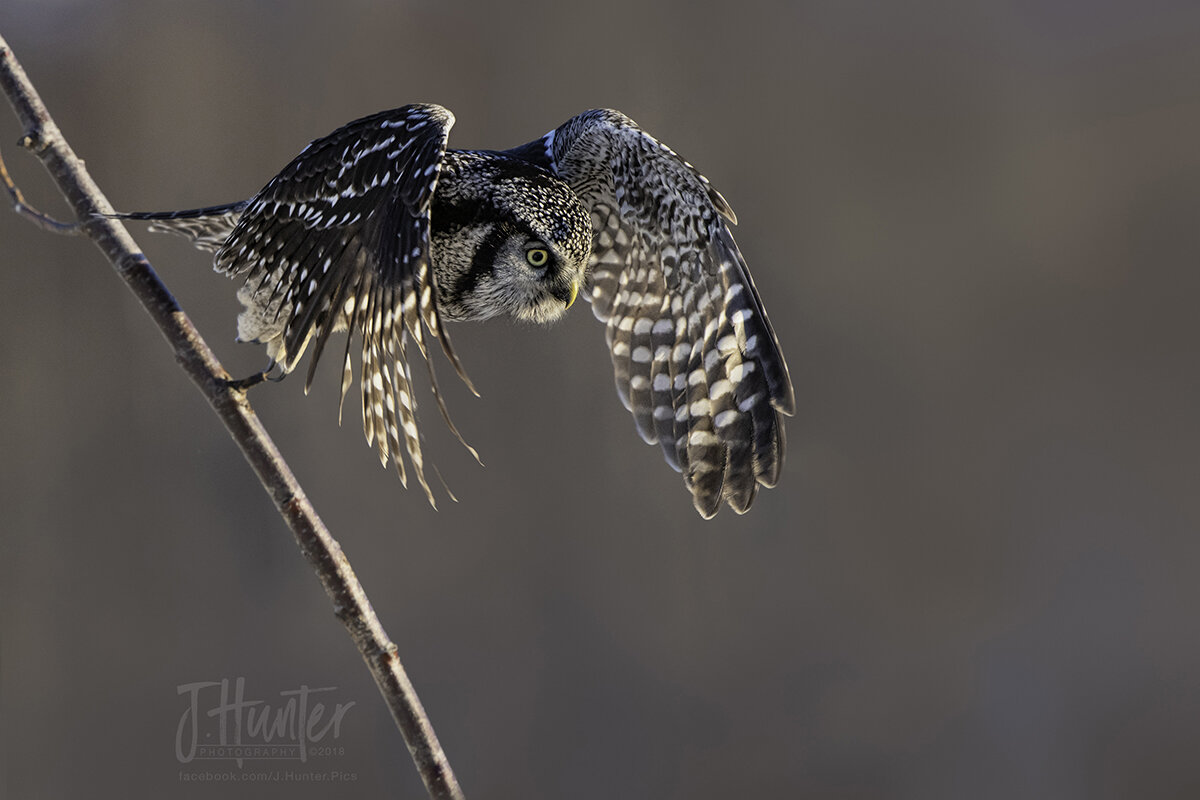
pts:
[340, 238]
[695, 358]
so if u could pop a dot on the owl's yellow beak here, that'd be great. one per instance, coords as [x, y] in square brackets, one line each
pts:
[574, 293]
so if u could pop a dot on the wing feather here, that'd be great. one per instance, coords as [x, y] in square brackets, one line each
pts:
[694, 356]
[340, 239]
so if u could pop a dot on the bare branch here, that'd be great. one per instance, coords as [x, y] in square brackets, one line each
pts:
[43, 138]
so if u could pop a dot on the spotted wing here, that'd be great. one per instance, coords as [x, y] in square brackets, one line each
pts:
[340, 238]
[694, 355]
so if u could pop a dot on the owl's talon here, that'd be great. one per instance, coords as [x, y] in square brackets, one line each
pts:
[242, 384]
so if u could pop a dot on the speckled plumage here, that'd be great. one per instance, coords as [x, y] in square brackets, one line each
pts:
[380, 229]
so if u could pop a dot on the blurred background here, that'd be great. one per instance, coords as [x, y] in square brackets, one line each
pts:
[975, 227]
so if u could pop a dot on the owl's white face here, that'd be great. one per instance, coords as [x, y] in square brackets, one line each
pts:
[511, 273]
[532, 280]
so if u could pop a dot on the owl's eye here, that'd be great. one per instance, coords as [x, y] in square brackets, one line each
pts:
[537, 257]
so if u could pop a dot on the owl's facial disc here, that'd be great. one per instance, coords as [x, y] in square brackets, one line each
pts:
[548, 281]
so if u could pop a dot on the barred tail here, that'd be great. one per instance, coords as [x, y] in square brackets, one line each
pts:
[208, 228]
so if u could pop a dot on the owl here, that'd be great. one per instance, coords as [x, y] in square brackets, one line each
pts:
[381, 230]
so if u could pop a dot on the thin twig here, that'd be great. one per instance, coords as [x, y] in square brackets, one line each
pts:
[43, 138]
[44, 221]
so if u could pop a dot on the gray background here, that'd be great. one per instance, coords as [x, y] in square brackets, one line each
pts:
[974, 225]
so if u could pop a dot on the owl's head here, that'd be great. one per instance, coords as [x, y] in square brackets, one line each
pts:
[508, 238]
